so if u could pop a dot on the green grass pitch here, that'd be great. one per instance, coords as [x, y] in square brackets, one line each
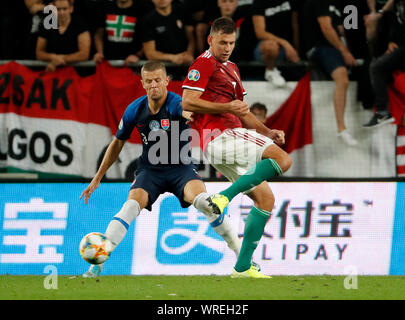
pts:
[202, 288]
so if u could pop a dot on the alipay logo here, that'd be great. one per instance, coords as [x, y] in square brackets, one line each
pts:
[185, 236]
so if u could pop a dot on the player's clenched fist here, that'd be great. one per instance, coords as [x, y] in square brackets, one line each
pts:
[239, 108]
[277, 136]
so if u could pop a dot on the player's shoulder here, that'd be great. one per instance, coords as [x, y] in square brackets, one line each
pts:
[137, 104]
[173, 104]
[173, 97]
[206, 58]
[203, 66]
[232, 65]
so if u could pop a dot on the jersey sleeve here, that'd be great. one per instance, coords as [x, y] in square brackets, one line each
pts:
[128, 122]
[199, 73]
[322, 8]
[258, 8]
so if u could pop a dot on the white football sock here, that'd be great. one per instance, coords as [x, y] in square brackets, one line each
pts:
[221, 224]
[226, 231]
[119, 225]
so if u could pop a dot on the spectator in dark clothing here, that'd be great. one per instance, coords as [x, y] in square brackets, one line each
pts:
[117, 35]
[276, 26]
[37, 15]
[168, 34]
[240, 13]
[200, 10]
[69, 43]
[325, 47]
[195, 8]
[381, 69]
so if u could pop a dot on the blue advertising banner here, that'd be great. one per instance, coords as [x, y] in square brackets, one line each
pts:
[398, 238]
[42, 224]
[320, 228]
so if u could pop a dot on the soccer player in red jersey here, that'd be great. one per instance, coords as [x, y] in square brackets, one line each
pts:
[237, 144]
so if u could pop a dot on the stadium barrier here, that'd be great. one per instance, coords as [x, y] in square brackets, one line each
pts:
[318, 228]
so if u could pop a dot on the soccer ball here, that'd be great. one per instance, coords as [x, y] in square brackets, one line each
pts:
[95, 248]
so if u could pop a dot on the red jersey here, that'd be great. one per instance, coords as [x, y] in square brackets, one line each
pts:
[219, 82]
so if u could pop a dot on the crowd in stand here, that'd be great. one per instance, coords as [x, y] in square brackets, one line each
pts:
[327, 32]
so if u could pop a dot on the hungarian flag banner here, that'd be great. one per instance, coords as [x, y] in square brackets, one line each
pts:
[61, 123]
[294, 117]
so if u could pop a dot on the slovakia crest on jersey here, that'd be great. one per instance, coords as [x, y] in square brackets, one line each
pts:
[193, 75]
[165, 124]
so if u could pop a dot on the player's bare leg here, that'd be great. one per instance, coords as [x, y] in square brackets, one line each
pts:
[341, 78]
[196, 193]
[270, 51]
[118, 226]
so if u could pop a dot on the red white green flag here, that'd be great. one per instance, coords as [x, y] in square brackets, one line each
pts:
[120, 28]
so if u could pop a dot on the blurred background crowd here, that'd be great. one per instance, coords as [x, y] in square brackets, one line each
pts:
[176, 30]
[334, 35]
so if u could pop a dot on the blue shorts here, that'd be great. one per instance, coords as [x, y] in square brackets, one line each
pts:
[257, 54]
[156, 181]
[329, 58]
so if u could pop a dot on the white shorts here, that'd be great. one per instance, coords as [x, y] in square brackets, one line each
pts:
[235, 151]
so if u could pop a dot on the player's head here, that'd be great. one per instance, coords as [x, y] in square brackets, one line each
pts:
[259, 110]
[222, 38]
[154, 79]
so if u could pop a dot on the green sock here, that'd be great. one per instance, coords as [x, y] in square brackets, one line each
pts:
[263, 170]
[254, 229]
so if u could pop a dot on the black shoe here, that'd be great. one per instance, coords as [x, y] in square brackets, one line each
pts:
[379, 120]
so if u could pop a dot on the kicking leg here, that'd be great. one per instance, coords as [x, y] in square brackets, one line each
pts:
[275, 162]
[118, 226]
[195, 193]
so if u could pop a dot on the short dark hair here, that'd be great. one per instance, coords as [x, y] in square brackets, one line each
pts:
[224, 25]
[153, 65]
[258, 106]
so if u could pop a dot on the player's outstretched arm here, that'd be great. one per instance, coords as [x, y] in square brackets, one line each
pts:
[112, 153]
